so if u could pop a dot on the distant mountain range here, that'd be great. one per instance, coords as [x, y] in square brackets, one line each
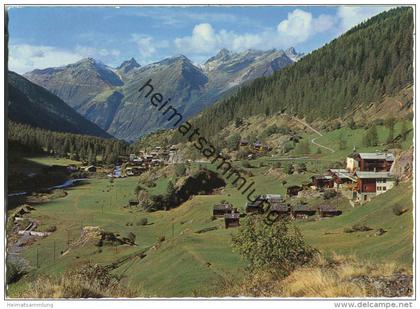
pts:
[109, 96]
[31, 104]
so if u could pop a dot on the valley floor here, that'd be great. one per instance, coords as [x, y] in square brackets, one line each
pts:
[187, 263]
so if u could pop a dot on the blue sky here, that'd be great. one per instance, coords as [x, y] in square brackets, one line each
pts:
[41, 37]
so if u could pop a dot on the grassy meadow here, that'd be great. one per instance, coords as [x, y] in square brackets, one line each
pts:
[186, 263]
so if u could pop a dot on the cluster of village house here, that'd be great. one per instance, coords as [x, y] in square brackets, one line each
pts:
[365, 176]
[143, 160]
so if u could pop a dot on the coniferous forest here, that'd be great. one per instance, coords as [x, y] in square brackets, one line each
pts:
[367, 62]
[31, 140]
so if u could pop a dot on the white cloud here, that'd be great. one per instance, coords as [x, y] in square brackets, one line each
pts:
[97, 52]
[147, 46]
[25, 57]
[352, 15]
[297, 28]
[297, 25]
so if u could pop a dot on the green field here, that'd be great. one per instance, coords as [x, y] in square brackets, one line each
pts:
[187, 263]
[354, 139]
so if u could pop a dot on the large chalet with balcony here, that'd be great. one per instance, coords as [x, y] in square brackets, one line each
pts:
[371, 172]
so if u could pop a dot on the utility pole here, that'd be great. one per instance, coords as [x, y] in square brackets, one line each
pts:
[173, 232]
[337, 199]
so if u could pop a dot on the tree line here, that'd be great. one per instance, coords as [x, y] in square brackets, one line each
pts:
[31, 140]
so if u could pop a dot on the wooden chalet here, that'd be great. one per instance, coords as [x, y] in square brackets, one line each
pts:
[273, 198]
[323, 181]
[302, 212]
[220, 209]
[232, 219]
[374, 162]
[255, 207]
[281, 209]
[135, 170]
[341, 176]
[370, 184]
[328, 211]
[293, 190]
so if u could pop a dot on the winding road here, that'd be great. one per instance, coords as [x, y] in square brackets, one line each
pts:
[316, 131]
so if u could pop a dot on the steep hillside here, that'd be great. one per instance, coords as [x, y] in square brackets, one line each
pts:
[351, 72]
[109, 97]
[33, 105]
[76, 83]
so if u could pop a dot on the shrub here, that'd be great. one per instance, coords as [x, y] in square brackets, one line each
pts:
[180, 170]
[131, 237]
[288, 169]
[246, 164]
[14, 271]
[142, 221]
[398, 210]
[358, 228]
[233, 141]
[287, 147]
[87, 281]
[278, 248]
[301, 167]
[137, 189]
[51, 229]
[329, 193]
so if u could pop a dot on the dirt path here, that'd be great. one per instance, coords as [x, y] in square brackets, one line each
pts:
[316, 131]
[319, 145]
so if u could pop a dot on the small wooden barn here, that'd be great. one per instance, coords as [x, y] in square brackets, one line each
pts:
[302, 212]
[293, 190]
[133, 202]
[281, 209]
[324, 181]
[220, 209]
[273, 198]
[328, 211]
[255, 207]
[232, 219]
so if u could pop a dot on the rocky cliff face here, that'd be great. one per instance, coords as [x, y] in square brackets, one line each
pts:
[402, 167]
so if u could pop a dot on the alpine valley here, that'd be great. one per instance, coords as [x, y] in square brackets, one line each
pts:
[109, 96]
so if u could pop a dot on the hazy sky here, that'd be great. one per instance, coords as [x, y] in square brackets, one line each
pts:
[41, 37]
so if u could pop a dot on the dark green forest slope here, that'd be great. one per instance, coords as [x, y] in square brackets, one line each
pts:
[373, 59]
[33, 105]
